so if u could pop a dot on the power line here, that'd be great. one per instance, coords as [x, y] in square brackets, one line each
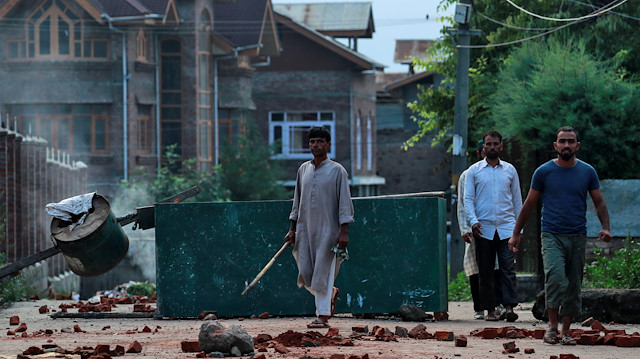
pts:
[512, 26]
[601, 11]
[613, 12]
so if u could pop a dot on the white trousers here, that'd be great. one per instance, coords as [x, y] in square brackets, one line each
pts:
[323, 299]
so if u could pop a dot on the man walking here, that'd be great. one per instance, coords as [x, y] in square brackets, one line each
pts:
[492, 202]
[320, 217]
[563, 183]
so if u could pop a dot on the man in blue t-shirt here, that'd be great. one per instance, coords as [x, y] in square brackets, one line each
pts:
[563, 184]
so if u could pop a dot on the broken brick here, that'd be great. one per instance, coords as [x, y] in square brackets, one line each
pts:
[568, 356]
[280, 348]
[11, 332]
[332, 332]
[587, 322]
[337, 356]
[588, 339]
[509, 345]
[418, 328]
[440, 316]
[596, 325]
[134, 347]
[529, 350]
[33, 351]
[21, 328]
[402, 332]
[444, 335]
[360, 329]
[511, 351]
[627, 341]
[461, 341]
[106, 327]
[264, 315]
[77, 329]
[102, 348]
[118, 351]
[538, 333]
[261, 356]
[609, 339]
[190, 346]
[146, 329]
[487, 333]
[261, 338]
[15, 320]
[43, 309]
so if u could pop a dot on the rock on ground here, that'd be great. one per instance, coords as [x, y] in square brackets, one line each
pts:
[215, 337]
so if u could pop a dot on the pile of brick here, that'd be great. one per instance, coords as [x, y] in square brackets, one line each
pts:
[101, 351]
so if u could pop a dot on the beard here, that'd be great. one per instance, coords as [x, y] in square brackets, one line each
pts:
[566, 155]
[492, 155]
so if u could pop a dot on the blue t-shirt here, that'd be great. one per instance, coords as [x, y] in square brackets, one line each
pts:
[564, 196]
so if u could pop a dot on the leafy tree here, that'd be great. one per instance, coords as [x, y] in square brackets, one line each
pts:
[247, 170]
[544, 86]
[608, 36]
[621, 271]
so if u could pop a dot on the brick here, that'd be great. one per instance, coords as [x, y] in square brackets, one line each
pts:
[509, 345]
[33, 351]
[360, 329]
[11, 332]
[418, 328]
[529, 350]
[588, 339]
[609, 339]
[102, 348]
[596, 325]
[568, 356]
[118, 351]
[401, 332]
[538, 333]
[488, 333]
[146, 329]
[587, 322]
[134, 347]
[440, 316]
[280, 348]
[261, 356]
[14, 320]
[337, 356]
[511, 351]
[77, 329]
[332, 332]
[264, 315]
[21, 328]
[190, 346]
[261, 338]
[627, 341]
[444, 335]
[461, 341]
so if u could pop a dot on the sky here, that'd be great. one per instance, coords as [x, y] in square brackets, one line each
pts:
[394, 20]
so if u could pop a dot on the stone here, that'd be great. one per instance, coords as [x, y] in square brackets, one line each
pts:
[401, 332]
[617, 305]
[21, 328]
[441, 316]
[14, 320]
[264, 315]
[190, 346]
[235, 352]
[134, 347]
[411, 313]
[529, 350]
[461, 341]
[203, 315]
[360, 329]
[509, 345]
[215, 337]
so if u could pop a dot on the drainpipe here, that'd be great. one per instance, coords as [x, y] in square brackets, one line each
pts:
[125, 79]
[156, 54]
[216, 140]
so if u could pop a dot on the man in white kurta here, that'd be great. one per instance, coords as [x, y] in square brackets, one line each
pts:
[320, 216]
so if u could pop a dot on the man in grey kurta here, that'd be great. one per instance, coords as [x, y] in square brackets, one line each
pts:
[320, 217]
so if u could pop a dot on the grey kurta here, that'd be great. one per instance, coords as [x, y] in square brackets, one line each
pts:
[321, 203]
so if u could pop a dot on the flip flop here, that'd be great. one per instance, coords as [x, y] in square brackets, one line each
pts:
[567, 340]
[551, 336]
[334, 296]
[318, 324]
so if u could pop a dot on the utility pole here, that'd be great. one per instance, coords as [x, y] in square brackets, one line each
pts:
[461, 115]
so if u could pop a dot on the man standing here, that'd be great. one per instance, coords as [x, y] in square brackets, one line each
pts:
[470, 262]
[320, 217]
[563, 184]
[492, 202]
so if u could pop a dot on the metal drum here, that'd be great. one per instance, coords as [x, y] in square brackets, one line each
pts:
[94, 247]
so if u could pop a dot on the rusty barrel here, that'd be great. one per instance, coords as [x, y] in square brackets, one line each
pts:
[94, 247]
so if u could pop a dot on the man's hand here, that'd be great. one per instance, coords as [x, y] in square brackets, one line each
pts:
[467, 237]
[514, 242]
[343, 240]
[290, 237]
[604, 235]
[476, 229]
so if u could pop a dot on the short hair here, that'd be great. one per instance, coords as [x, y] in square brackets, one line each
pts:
[492, 133]
[320, 132]
[567, 129]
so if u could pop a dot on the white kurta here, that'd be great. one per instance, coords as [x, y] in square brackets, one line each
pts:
[321, 203]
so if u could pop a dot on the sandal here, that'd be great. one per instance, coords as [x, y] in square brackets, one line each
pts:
[334, 296]
[491, 317]
[318, 324]
[568, 340]
[551, 336]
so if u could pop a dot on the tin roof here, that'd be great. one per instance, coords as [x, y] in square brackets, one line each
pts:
[347, 19]
[405, 49]
[240, 22]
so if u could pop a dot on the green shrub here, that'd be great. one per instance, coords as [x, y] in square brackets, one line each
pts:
[459, 289]
[621, 272]
[14, 289]
[142, 289]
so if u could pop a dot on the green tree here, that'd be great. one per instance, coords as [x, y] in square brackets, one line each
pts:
[608, 37]
[247, 170]
[545, 85]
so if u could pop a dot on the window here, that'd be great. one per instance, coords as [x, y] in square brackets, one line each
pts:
[290, 129]
[72, 128]
[171, 94]
[144, 129]
[54, 30]
[232, 124]
[142, 45]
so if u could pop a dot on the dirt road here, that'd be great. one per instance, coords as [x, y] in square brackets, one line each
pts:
[165, 336]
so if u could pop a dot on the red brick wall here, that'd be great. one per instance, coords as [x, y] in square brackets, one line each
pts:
[30, 177]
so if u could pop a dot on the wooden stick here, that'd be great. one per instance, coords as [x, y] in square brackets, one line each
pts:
[266, 268]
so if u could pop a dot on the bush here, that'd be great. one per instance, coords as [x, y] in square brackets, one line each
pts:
[142, 289]
[14, 289]
[459, 289]
[620, 272]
